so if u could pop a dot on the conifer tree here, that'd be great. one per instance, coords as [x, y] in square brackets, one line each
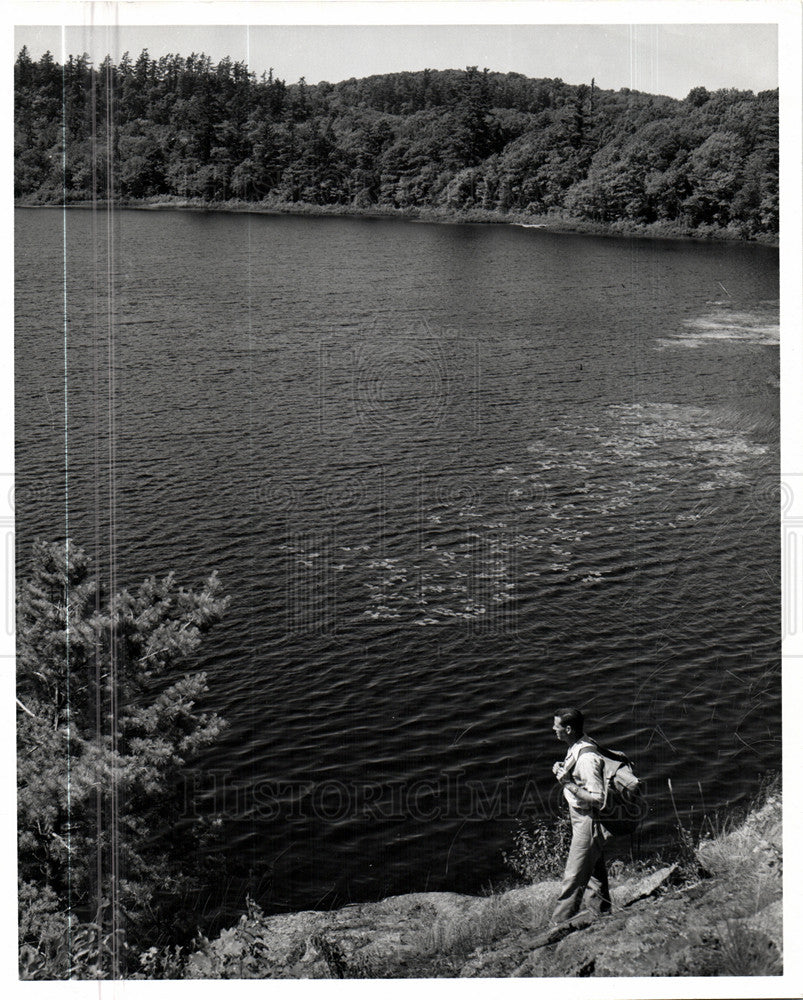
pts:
[107, 726]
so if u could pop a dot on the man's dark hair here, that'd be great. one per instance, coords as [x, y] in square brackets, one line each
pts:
[571, 717]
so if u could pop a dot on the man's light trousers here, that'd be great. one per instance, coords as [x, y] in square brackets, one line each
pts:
[585, 868]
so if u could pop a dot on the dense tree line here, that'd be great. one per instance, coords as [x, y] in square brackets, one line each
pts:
[449, 140]
[111, 862]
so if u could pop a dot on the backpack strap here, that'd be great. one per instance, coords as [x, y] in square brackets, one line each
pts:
[592, 749]
[613, 755]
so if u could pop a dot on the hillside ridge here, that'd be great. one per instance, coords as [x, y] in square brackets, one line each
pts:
[450, 142]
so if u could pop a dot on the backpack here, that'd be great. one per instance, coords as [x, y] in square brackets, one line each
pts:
[624, 807]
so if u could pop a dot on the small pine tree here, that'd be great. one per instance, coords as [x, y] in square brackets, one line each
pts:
[105, 735]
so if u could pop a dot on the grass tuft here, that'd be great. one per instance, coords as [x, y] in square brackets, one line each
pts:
[747, 952]
[746, 844]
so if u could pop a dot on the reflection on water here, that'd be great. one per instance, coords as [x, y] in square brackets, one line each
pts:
[725, 323]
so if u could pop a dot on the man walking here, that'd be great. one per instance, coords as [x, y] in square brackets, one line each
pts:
[582, 778]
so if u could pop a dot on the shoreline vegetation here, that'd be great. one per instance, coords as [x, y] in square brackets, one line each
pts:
[550, 222]
[710, 906]
[434, 145]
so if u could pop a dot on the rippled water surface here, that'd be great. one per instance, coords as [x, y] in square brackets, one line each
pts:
[452, 477]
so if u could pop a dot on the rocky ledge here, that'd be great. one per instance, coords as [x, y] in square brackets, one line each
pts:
[716, 912]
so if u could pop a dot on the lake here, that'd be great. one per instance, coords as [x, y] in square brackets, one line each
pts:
[453, 477]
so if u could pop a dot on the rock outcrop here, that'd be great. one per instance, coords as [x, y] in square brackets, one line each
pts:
[725, 921]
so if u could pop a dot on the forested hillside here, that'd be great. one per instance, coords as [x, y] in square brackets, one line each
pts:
[453, 140]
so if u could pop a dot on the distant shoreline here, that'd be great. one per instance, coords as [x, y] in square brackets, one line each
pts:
[557, 223]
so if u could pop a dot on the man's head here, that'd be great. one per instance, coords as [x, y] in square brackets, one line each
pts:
[568, 725]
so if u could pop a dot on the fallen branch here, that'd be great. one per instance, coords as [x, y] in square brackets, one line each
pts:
[27, 710]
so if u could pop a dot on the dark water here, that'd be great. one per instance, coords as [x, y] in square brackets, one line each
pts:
[453, 477]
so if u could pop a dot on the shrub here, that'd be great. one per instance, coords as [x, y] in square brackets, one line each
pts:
[167, 962]
[44, 930]
[539, 853]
